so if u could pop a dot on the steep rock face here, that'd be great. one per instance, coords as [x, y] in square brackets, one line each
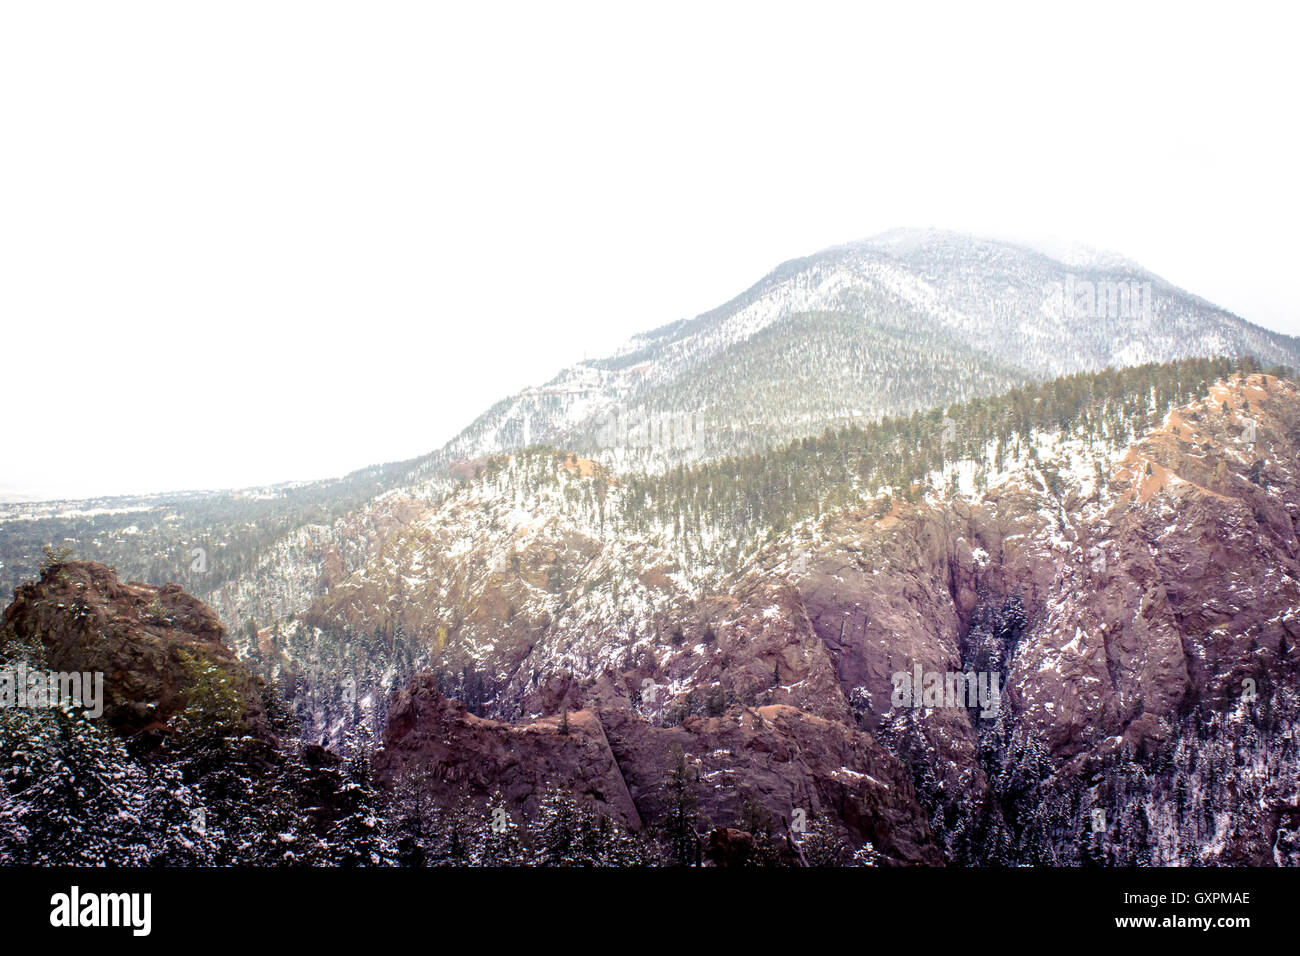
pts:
[1176, 589]
[784, 761]
[776, 758]
[458, 756]
[1151, 580]
[86, 620]
[1113, 590]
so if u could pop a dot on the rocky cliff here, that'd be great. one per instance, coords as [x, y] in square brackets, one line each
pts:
[145, 640]
[1138, 603]
[191, 761]
[1120, 564]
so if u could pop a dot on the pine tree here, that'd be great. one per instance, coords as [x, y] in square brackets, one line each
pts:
[554, 831]
[683, 813]
[502, 843]
[360, 837]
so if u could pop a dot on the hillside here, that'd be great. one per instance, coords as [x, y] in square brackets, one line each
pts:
[907, 321]
[1114, 553]
[1119, 548]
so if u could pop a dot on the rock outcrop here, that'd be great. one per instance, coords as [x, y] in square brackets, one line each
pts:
[779, 759]
[1130, 600]
[145, 640]
[460, 756]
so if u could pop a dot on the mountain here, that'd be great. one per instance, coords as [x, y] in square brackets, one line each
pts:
[1095, 582]
[703, 570]
[1119, 549]
[907, 320]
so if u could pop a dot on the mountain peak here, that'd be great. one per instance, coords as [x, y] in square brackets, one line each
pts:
[907, 319]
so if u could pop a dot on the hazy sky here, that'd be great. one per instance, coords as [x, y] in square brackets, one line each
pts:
[251, 242]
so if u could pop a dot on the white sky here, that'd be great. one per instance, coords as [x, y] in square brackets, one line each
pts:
[251, 242]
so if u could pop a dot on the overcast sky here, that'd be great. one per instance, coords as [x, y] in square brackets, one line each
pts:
[253, 242]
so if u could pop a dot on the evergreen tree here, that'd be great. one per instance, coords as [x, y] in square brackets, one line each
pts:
[682, 817]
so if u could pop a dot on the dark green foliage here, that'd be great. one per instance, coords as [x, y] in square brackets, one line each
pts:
[682, 818]
[804, 478]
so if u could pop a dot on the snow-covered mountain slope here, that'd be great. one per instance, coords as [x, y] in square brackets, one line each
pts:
[548, 558]
[1119, 548]
[906, 320]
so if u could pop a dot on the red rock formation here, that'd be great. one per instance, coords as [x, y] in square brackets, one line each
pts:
[85, 619]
